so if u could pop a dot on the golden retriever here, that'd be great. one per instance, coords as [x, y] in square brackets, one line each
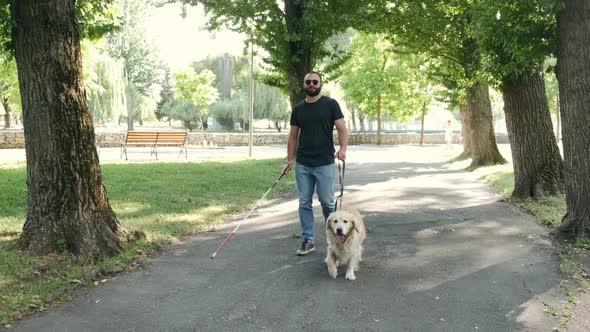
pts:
[345, 233]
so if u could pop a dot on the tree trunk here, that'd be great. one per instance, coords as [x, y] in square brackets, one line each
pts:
[483, 139]
[278, 126]
[422, 123]
[557, 120]
[130, 126]
[538, 167]
[7, 113]
[298, 51]
[67, 200]
[354, 128]
[362, 122]
[379, 120]
[573, 74]
[465, 131]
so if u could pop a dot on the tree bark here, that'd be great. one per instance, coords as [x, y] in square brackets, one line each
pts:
[573, 74]
[362, 122]
[465, 131]
[7, 114]
[557, 120]
[484, 150]
[538, 167]
[299, 52]
[67, 200]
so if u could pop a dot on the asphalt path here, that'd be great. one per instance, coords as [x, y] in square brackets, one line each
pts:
[443, 253]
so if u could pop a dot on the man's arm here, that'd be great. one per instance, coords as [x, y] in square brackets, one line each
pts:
[342, 138]
[291, 149]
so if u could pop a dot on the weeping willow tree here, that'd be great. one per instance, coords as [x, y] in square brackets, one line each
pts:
[270, 103]
[107, 94]
[230, 72]
[229, 111]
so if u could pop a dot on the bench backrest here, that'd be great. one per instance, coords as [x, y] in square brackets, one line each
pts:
[147, 137]
[172, 137]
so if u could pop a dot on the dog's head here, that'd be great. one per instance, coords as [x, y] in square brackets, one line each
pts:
[341, 224]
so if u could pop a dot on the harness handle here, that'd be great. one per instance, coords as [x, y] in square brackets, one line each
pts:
[341, 179]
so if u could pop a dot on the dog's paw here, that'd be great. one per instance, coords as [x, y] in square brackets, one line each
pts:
[333, 272]
[350, 276]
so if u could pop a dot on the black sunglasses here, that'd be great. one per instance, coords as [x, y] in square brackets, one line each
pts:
[315, 82]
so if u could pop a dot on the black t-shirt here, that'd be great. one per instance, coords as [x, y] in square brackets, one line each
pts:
[316, 124]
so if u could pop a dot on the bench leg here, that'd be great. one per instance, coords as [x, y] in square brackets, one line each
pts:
[123, 152]
[183, 149]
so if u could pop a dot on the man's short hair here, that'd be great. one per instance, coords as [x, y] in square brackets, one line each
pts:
[315, 72]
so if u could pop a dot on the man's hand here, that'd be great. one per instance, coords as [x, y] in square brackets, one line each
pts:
[287, 167]
[341, 154]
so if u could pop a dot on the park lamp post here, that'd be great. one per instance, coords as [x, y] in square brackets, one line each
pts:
[251, 95]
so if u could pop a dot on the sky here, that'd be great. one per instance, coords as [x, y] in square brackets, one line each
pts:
[182, 41]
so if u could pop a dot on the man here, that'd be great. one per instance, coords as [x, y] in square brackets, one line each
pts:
[312, 146]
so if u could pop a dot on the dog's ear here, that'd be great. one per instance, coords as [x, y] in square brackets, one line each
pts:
[354, 226]
[329, 221]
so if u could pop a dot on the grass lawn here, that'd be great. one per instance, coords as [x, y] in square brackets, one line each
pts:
[165, 200]
[549, 211]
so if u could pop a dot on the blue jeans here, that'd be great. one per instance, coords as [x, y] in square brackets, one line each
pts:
[320, 178]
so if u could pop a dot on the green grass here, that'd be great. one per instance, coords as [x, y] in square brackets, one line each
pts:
[549, 210]
[165, 200]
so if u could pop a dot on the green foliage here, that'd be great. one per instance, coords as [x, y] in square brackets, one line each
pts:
[193, 93]
[231, 73]
[195, 88]
[9, 89]
[515, 36]
[583, 243]
[288, 37]
[375, 69]
[142, 65]
[95, 18]
[60, 246]
[229, 111]
[438, 29]
[551, 84]
[166, 93]
[270, 103]
[105, 85]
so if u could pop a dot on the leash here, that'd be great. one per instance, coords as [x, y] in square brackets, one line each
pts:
[246, 217]
[341, 179]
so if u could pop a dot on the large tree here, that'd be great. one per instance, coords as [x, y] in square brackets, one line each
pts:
[573, 73]
[66, 200]
[418, 26]
[292, 32]
[515, 38]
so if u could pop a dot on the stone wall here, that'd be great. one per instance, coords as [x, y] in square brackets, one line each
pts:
[13, 139]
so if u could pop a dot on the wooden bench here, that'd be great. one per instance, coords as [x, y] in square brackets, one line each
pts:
[153, 139]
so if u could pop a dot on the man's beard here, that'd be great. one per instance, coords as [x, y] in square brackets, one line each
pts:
[313, 93]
